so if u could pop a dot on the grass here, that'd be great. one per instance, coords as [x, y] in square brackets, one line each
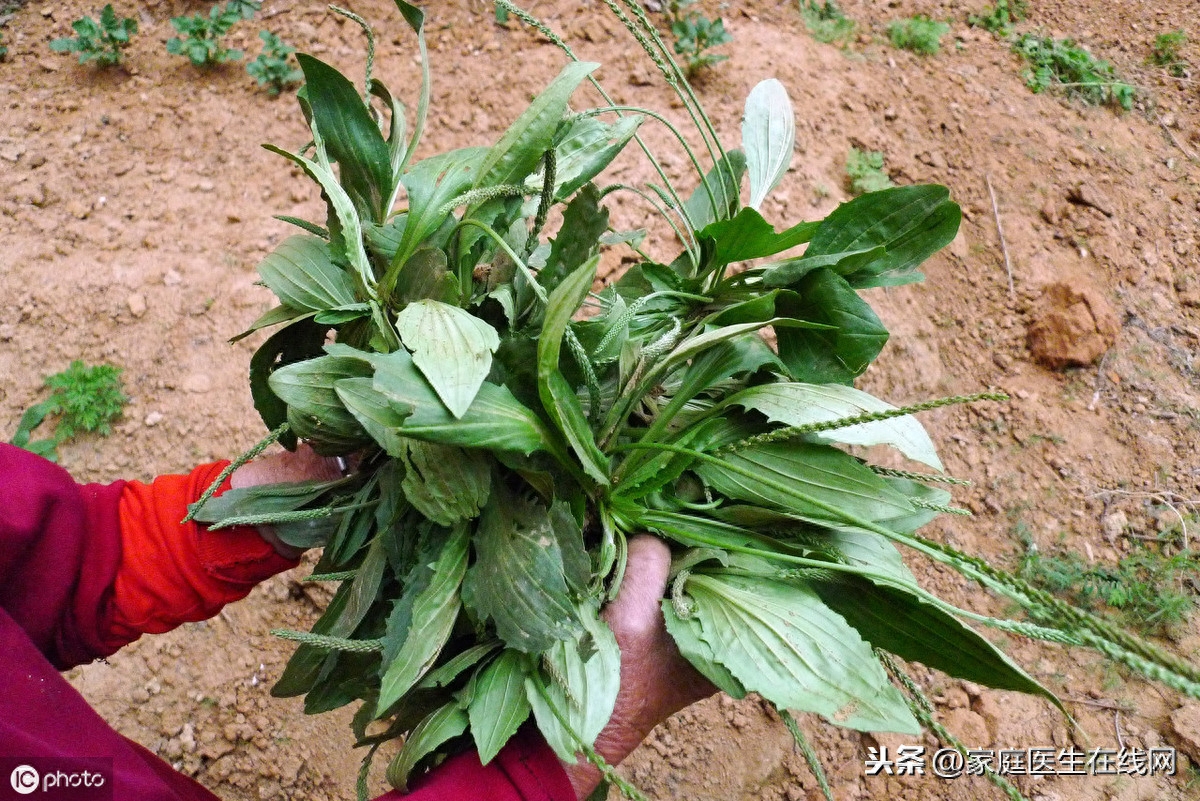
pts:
[1061, 63]
[919, 34]
[999, 18]
[826, 22]
[865, 173]
[1165, 53]
[84, 399]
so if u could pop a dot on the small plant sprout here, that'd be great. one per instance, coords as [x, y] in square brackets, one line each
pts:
[273, 68]
[1000, 18]
[101, 42]
[202, 37]
[695, 37]
[85, 400]
[865, 173]
[826, 22]
[1165, 53]
[246, 9]
[919, 34]
[1062, 63]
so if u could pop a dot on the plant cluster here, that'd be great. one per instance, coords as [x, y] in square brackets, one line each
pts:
[102, 42]
[695, 37]
[1000, 18]
[202, 40]
[85, 399]
[920, 34]
[826, 22]
[273, 68]
[1165, 52]
[865, 173]
[433, 322]
[1062, 63]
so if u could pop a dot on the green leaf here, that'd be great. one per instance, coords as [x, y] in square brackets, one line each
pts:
[687, 634]
[558, 397]
[425, 276]
[916, 631]
[813, 482]
[583, 147]
[303, 276]
[768, 135]
[582, 690]
[451, 347]
[448, 672]
[834, 356]
[520, 149]
[300, 341]
[431, 184]
[377, 415]
[351, 137]
[444, 724]
[795, 404]
[519, 578]
[781, 641]
[445, 483]
[749, 236]
[495, 420]
[315, 412]
[396, 125]
[415, 18]
[717, 197]
[787, 273]
[499, 705]
[584, 222]
[433, 614]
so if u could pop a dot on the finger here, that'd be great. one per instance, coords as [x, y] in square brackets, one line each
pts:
[636, 606]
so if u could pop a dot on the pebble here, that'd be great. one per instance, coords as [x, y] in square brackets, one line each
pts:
[137, 304]
[172, 278]
[153, 419]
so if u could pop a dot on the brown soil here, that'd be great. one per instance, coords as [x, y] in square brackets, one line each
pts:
[135, 203]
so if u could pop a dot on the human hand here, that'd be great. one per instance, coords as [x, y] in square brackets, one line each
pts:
[303, 464]
[656, 681]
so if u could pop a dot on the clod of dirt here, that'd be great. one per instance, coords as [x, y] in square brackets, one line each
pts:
[1185, 728]
[1088, 195]
[1073, 326]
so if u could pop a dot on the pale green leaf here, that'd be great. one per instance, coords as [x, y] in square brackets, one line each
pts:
[315, 412]
[499, 705]
[443, 724]
[768, 135]
[303, 276]
[451, 347]
[374, 411]
[686, 633]
[445, 483]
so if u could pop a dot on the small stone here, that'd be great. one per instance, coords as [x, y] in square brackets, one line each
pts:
[1114, 524]
[48, 65]
[139, 695]
[1086, 194]
[153, 419]
[890, 114]
[172, 278]
[136, 304]
[206, 185]
[198, 383]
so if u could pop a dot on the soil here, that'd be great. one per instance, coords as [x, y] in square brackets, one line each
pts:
[135, 203]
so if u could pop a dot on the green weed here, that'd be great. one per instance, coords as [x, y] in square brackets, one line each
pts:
[3, 49]
[1061, 63]
[865, 173]
[825, 21]
[1165, 52]
[695, 37]
[202, 41]
[85, 399]
[101, 42]
[919, 34]
[999, 18]
[246, 9]
[273, 68]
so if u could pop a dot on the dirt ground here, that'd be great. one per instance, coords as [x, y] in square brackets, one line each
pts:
[135, 203]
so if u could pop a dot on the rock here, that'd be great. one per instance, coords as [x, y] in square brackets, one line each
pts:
[172, 278]
[1072, 324]
[1114, 525]
[136, 304]
[1086, 194]
[1185, 730]
[153, 419]
[959, 247]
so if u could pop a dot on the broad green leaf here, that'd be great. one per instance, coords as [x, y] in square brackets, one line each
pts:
[558, 397]
[717, 197]
[584, 222]
[916, 631]
[315, 412]
[499, 705]
[781, 641]
[910, 222]
[451, 347]
[297, 342]
[795, 404]
[346, 314]
[448, 672]
[261, 500]
[814, 482]
[788, 272]
[749, 236]
[445, 483]
[384, 240]
[352, 138]
[768, 135]
[271, 317]
[582, 689]
[377, 415]
[433, 616]
[687, 635]
[522, 146]
[835, 356]
[583, 147]
[302, 274]
[916, 492]
[870, 550]
[519, 579]
[495, 420]
[444, 724]
[432, 183]
[425, 276]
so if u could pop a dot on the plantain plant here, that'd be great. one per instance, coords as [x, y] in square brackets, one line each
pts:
[515, 424]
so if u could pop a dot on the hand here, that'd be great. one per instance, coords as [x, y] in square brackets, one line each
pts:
[656, 681]
[303, 464]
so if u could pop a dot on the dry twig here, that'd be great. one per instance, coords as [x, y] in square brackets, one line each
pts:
[1000, 230]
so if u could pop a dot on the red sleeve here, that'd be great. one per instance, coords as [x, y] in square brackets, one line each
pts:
[524, 770]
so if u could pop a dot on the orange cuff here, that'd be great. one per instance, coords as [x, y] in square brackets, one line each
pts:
[172, 573]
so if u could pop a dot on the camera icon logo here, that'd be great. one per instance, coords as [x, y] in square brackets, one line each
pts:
[24, 779]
